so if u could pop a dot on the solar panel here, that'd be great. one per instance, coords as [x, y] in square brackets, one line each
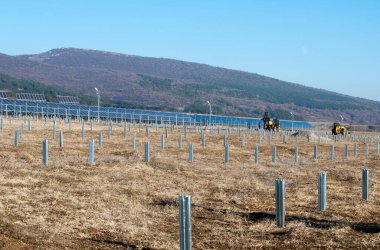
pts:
[31, 97]
[68, 99]
[3, 94]
[48, 108]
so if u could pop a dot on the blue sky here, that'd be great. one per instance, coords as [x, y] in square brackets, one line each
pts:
[332, 44]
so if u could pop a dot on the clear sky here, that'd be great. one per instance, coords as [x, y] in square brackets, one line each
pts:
[328, 44]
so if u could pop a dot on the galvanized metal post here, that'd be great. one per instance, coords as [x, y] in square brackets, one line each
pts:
[162, 142]
[54, 129]
[125, 132]
[185, 222]
[147, 152]
[377, 148]
[284, 139]
[191, 152]
[365, 184]
[45, 152]
[274, 154]
[166, 132]
[332, 152]
[60, 138]
[260, 139]
[270, 139]
[83, 131]
[321, 191]
[134, 141]
[225, 140]
[29, 126]
[256, 154]
[91, 124]
[180, 141]
[346, 151]
[280, 202]
[203, 141]
[16, 137]
[22, 129]
[188, 233]
[109, 131]
[355, 150]
[226, 153]
[100, 136]
[315, 152]
[296, 153]
[182, 222]
[91, 151]
[147, 132]
[185, 131]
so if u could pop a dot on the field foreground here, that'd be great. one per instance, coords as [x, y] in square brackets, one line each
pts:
[121, 202]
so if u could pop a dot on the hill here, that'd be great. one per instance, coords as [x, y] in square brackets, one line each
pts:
[184, 86]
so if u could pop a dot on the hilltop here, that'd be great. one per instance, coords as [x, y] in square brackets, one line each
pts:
[184, 86]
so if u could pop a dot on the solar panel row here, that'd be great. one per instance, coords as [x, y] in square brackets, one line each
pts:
[31, 97]
[3, 94]
[139, 115]
[68, 99]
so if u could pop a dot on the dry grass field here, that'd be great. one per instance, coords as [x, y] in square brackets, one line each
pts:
[121, 202]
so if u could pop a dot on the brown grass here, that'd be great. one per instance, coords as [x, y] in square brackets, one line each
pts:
[122, 202]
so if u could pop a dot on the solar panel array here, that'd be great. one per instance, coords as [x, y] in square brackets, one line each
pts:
[3, 94]
[12, 106]
[68, 99]
[31, 97]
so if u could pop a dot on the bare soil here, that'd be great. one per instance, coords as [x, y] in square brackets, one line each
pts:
[121, 202]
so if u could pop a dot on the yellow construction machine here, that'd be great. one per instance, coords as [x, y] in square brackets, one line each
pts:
[338, 129]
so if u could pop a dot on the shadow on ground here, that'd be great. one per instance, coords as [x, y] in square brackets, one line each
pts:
[309, 221]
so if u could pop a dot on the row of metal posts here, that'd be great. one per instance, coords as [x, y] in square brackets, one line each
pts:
[271, 133]
[280, 194]
[203, 143]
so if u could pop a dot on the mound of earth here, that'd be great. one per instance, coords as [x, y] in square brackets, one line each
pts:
[311, 134]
